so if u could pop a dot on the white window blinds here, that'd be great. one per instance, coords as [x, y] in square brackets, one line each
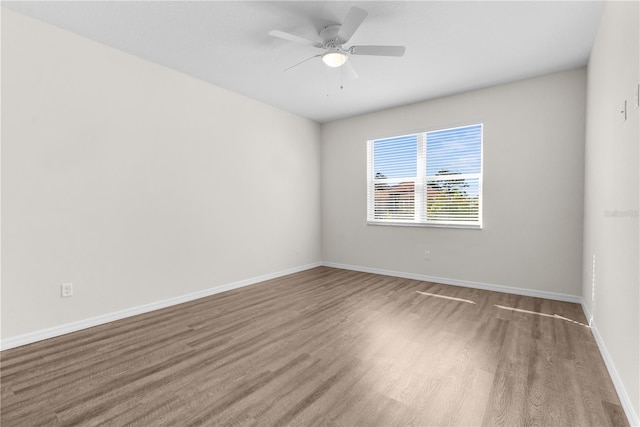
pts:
[428, 178]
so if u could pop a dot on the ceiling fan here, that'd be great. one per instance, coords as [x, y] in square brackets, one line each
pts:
[334, 37]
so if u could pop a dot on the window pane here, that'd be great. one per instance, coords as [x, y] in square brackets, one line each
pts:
[394, 201]
[454, 151]
[395, 157]
[453, 200]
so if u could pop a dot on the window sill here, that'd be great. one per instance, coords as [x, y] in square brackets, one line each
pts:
[430, 225]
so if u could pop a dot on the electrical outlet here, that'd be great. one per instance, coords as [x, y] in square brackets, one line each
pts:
[623, 111]
[427, 255]
[636, 103]
[66, 290]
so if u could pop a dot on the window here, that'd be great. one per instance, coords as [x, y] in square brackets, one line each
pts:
[428, 178]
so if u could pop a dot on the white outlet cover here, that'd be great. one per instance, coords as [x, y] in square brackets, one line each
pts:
[66, 290]
[636, 103]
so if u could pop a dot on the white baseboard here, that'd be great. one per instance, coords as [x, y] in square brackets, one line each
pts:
[44, 334]
[625, 401]
[455, 282]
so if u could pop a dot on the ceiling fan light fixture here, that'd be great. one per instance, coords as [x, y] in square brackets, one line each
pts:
[334, 58]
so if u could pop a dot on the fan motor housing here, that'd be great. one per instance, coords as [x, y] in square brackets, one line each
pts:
[329, 35]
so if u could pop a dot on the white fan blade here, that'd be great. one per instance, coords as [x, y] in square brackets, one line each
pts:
[301, 62]
[294, 38]
[349, 71]
[377, 50]
[352, 21]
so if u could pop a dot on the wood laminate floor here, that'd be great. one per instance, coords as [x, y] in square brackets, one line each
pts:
[322, 347]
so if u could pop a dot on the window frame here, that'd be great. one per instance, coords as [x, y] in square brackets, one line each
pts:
[420, 184]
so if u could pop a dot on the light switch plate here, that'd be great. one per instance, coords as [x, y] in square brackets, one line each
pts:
[636, 102]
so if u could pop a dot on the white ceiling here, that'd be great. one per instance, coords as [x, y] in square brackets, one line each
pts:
[452, 46]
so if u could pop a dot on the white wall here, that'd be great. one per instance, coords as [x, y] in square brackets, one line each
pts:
[137, 183]
[612, 188]
[533, 189]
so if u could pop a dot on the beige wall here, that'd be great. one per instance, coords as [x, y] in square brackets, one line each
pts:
[612, 187]
[137, 183]
[533, 189]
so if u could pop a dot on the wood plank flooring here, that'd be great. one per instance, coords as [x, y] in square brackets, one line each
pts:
[322, 347]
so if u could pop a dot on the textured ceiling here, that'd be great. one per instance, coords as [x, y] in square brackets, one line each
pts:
[451, 46]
